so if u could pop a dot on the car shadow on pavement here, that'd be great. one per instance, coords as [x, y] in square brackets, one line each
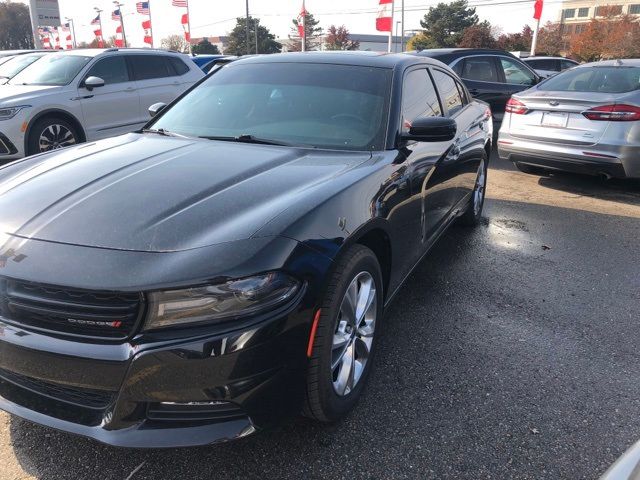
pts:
[617, 190]
[511, 352]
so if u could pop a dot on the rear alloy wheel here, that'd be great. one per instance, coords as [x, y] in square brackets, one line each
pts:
[531, 170]
[345, 337]
[474, 211]
[51, 134]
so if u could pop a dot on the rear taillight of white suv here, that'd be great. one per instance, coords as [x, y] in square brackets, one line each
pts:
[613, 113]
[516, 106]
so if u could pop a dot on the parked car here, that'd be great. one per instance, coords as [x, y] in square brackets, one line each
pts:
[228, 266]
[207, 62]
[15, 65]
[549, 66]
[84, 95]
[585, 120]
[490, 75]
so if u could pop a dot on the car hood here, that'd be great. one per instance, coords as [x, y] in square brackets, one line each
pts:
[144, 192]
[15, 94]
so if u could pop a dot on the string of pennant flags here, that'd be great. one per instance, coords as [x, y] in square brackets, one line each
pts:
[51, 36]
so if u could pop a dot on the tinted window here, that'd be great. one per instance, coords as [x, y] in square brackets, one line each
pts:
[178, 65]
[146, 67]
[542, 64]
[516, 74]
[583, 12]
[111, 70]
[569, 13]
[481, 69]
[448, 91]
[564, 64]
[419, 98]
[634, 9]
[595, 79]
[327, 106]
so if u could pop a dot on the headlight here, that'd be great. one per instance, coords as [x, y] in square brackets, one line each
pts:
[9, 112]
[224, 301]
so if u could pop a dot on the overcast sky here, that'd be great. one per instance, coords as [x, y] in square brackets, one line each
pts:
[217, 17]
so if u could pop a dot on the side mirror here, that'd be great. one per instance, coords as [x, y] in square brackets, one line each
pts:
[92, 82]
[156, 108]
[432, 129]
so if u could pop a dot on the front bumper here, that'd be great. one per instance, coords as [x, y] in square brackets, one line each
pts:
[616, 160]
[12, 138]
[158, 391]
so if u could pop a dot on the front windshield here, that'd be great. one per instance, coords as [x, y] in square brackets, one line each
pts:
[52, 69]
[595, 79]
[319, 105]
[17, 64]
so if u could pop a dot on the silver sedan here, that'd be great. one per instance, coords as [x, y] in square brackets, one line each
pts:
[584, 120]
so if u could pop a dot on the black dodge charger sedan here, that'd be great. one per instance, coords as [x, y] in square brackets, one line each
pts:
[229, 265]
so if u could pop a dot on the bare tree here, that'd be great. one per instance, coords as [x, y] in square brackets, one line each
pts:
[175, 42]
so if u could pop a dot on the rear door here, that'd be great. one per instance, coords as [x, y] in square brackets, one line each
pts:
[480, 75]
[114, 108]
[461, 164]
[156, 80]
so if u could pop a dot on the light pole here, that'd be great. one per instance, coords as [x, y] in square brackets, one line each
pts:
[247, 28]
[395, 41]
[73, 30]
[124, 36]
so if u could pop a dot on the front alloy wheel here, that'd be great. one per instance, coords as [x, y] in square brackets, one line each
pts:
[49, 134]
[344, 344]
[353, 336]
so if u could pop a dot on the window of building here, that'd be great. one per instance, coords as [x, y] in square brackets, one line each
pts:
[634, 9]
[580, 28]
[606, 10]
[583, 12]
[569, 13]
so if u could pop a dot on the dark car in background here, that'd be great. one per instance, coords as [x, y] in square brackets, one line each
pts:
[228, 266]
[490, 75]
[206, 62]
[549, 66]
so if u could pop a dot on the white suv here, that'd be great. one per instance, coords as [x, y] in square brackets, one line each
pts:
[85, 95]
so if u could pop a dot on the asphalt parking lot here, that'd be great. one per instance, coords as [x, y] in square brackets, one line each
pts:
[511, 353]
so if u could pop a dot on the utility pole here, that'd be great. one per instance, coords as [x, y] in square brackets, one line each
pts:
[247, 29]
[391, 28]
[402, 19]
[303, 47]
[100, 26]
[256, 23]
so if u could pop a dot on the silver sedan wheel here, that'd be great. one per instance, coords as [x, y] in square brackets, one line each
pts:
[353, 334]
[479, 189]
[55, 136]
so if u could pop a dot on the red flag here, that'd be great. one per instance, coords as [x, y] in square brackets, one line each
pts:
[146, 26]
[119, 42]
[185, 25]
[119, 29]
[384, 20]
[537, 9]
[98, 32]
[301, 17]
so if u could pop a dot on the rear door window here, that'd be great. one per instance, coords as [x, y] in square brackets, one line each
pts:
[449, 92]
[565, 64]
[481, 69]
[543, 64]
[178, 65]
[516, 74]
[147, 67]
[595, 79]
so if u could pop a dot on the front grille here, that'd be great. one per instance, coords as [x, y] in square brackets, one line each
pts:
[82, 397]
[69, 311]
[194, 412]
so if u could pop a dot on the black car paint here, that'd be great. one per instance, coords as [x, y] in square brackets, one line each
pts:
[496, 94]
[89, 217]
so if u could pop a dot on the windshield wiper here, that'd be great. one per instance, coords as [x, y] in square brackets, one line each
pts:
[250, 139]
[162, 131]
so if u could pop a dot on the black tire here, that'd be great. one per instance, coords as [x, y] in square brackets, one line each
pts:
[58, 125]
[323, 402]
[472, 215]
[530, 169]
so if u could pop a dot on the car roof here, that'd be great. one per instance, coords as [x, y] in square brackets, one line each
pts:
[546, 58]
[356, 58]
[627, 62]
[94, 52]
